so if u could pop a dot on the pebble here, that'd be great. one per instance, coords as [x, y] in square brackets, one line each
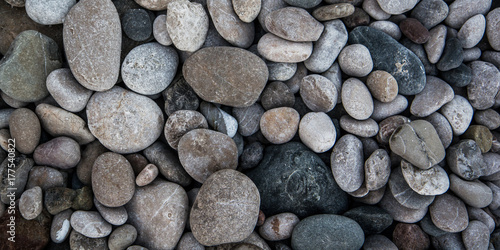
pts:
[219, 119]
[147, 175]
[16, 3]
[358, 18]
[492, 27]
[25, 129]
[281, 71]
[279, 125]
[83, 199]
[453, 55]
[435, 94]
[430, 12]
[355, 60]
[432, 181]
[90, 224]
[389, 55]
[233, 210]
[45, 177]
[421, 136]
[465, 160]
[148, 69]
[268, 6]
[377, 170]
[364, 128]
[414, 30]
[383, 110]
[472, 54]
[248, 118]
[60, 152]
[481, 135]
[251, 156]
[61, 227]
[404, 194]
[382, 86]
[123, 121]
[458, 77]
[225, 75]
[180, 96]
[318, 93]
[24, 69]
[189, 242]
[199, 145]
[48, 12]
[59, 122]
[279, 226]
[317, 131]
[327, 231]
[229, 25]
[472, 31]
[429, 228]
[462, 10]
[484, 85]
[459, 113]
[347, 163]
[399, 212]
[410, 236]
[449, 213]
[113, 215]
[276, 49]
[275, 95]
[306, 4]
[476, 235]
[373, 9]
[473, 193]
[160, 31]
[89, 154]
[80, 241]
[333, 11]
[247, 11]
[58, 199]
[122, 237]
[372, 219]
[5, 117]
[373, 197]
[495, 204]
[357, 100]
[378, 242]
[314, 188]
[387, 27]
[137, 24]
[30, 203]
[327, 47]
[397, 7]
[67, 92]
[169, 203]
[388, 125]
[181, 122]
[95, 64]
[419, 51]
[488, 118]
[294, 24]
[449, 241]
[187, 25]
[435, 45]
[167, 162]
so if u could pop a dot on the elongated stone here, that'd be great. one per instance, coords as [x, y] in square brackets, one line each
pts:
[228, 24]
[294, 24]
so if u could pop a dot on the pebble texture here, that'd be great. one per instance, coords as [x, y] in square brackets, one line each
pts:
[279, 125]
[25, 129]
[294, 24]
[48, 12]
[347, 163]
[356, 99]
[318, 93]
[317, 131]
[61, 152]
[187, 25]
[67, 92]
[228, 24]
[277, 49]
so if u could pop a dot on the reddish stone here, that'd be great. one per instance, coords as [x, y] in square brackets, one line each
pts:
[410, 236]
[414, 30]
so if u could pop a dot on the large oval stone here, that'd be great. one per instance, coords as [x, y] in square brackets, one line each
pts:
[159, 212]
[225, 75]
[226, 208]
[389, 55]
[291, 178]
[123, 121]
[92, 40]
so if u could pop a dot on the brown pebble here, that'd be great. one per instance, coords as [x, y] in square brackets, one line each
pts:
[279, 125]
[333, 11]
[414, 30]
[410, 236]
[382, 85]
[147, 175]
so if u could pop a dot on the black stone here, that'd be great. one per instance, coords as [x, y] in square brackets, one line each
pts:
[418, 49]
[137, 24]
[453, 55]
[372, 219]
[358, 18]
[58, 199]
[429, 228]
[180, 96]
[391, 56]
[275, 95]
[291, 178]
[252, 155]
[458, 77]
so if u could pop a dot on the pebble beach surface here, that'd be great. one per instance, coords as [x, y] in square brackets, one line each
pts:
[249, 124]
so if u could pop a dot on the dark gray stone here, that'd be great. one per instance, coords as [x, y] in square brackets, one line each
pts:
[252, 155]
[429, 228]
[403, 193]
[453, 55]
[430, 12]
[465, 160]
[372, 219]
[180, 96]
[277, 94]
[168, 163]
[419, 50]
[137, 24]
[458, 77]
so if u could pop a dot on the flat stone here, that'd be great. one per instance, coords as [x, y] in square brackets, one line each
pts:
[60, 228]
[435, 94]
[90, 224]
[276, 49]
[382, 85]
[333, 11]
[247, 11]
[481, 135]
[462, 10]
[45, 177]
[414, 30]
[95, 64]
[492, 27]
[488, 118]
[30, 203]
[358, 18]
[316, 130]
[229, 25]
[122, 237]
[293, 165]
[410, 236]
[318, 93]
[355, 60]
[383, 110]
[243, 72]
[449, 213]
[327, 231]
[387, 127]
[377, 170]
[472, 31]
[275, 95]
[472, 54]
[430, 12]
[26, 65]
[347, 163]
[391, 56]
[452, 56]
[473, 193]
[294, 24]
[404, 194]
[372, 219]
[387, 27]
[397, 7]
[432, 181]
[421, 136]
[328, 46]
[67, 92]
[279, 226]
[181, 122]
[113, 215]
[60, 152]
[187, 25]
[363, 128]
[459, 113]
[59, 122]
[476, 235]
[378, 242]
[484, 85]
[281, 71]
[160, 31]
[167, 162]
[180, 96]
[25, 129]
[148, 69]
[279, 125]
[123, 121]
[356, 99]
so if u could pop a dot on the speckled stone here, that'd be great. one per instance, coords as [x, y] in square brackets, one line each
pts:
[48, 12]
[147, 175]
[228, 24]
[247, 11]
[137, 24]
[355, 60]
[122, 237]
[372, 219]
[279, 226]
[347, 163]
[356, 99]
[410, 236]
[45, 177]
[378, 242]
[492, 27]
[373, 197]
[443, 128]
[481, 135]
[397, 7]
[363, 128]
[388, 125]
[268, 6]
[167, 162]
[399, 212]
[488, 118]
[294, 24]
[277, 49]
[404, 194]
[459, 113]
[275, 95]
[373, 9]
[219, 119]
[181, 122]
[187, 25]
[180, 96]
[435, 46]
[60, 228]
[25, 129]
[248, 118]
[484, 85]
[476, 235]
[30, 203]
[113, 215]
[67, 92]
[317, 131]
[449, 213]
[80, 241]
[189, 242]
[60, 152]
[473, 193]
[383, 110]
[430, 12]
[333, 11]
[461, 10]
[432, 181]
[318, 93]
[435, 94]
[472, 31]
[279, 125]
[377, 170]
[90, 224]
[358, 18]
[160, 31]
[281, 71]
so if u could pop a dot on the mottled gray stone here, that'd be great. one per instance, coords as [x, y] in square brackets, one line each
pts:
[449, 213]
[181, 122]
[160, 31]
[281, 71]
[48, 12]
[378, 242]
[387, 27]
[122, 237]
[248, 118]
[472, 31]
[383, 110]
[218, 119]
[60, 228]
[60, 152]
[167, 162]
[443, 128]
[459, 113]
[465, 160]
[432, 181]
[67, 92]
[277, 49]
[355, 60]
[90, 224]
[317, 131]
[30, 203]
[113, 215]
[45, 177]
[356, 99]
[187, 25]
[247, 11]
[228, 24]
[318, 93]
[327, 47]
[404, 194]
[461, 10]
[476, 235]
[294, 24]
[484, 85]
[347, 163]
[275, 95]
[435, 46]
[473, 193]
[435, 94]
[180, 96]
[492, 27]
[488, 118]
[363, 128]
[430, 12]
[333, 11]
[279, 226]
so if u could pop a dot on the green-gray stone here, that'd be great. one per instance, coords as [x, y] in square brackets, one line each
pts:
[26, 65]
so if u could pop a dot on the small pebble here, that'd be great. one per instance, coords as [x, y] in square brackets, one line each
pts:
[122, 237]
[180, 96]
[397, 7]
[317, 131]
[275, 95]
[48, 12]
[167, 162]
[160, 31]
[248, 119]
[61, 227]
[45, 177]
[377, 170]
[60, 152]
[229, 25]
[90, 224]
[414, 30]
[114, 215]
[294, 24]
[378, 242]
[459, 113]
[355, 60]
[347, 163]
[187, 25]
[67, 92]
[432, 181]
[279, 226]
[277, 49]
[387, 27]
[358, 18]
[333, 11]
[279, 125]
[476, 235]
[453, 55]
[364, 128]
[435, 46]
[458, 77]
[137, 24]
[430, 12]
[382, 85]
[281, 71]
[247, 11]
[318, 93]
[189, 242]
[147, 175]
[435, 94]
[472, 54]
[484, 85]
[473, 193]
[383, 110]
[410, 236]
[30, 203]
[58, 199]
[449, 213]
[388, 125]
[481, 135]
[461, 10]
[25, 129]
[181, 122]
[465, 160]
[488, 118]
[219, 119]
[492, 27]
[404, 194]
[357, 99]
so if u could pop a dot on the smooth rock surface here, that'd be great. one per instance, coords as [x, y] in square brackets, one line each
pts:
[318, 93]
[476, 235]
[372, 219]
[294, 24]
[90, 224]
[459, 113]
[453, 55]
[347, 163]
[365, 128]
[60, 152]
[382, 86]
[432, 181]
[414, 30]
[61, 228]
[167, 162]
[333, 11]
[122, 237]
[492, 27]
[484, 85]
[355, 60]
[404, 194]
[277, 94]
[67, 92]
[435, 94]
[356, 99]
[449, 213]
[430, 12]
[317, 131]
[248, 118]
[435, 46]
[399, 212]
[397, 7]
[137, 24]
[410, 236]
[160, 31]
[461, 10]
[181, 122]
[113, 215]
[377, 169]
[472, 31]
[228, 24]
[279, 226]
[48, 12]
[277, 49]
[473, 193]
[25, 129]
[279, 125]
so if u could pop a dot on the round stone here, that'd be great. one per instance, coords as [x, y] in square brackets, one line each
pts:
[181, 122]
[435, 46]
[113, 180]
[449, 213]
[90, 224]
[476, 235]
[67, 92]
[160, 31]
[387, 27]
[435, 94]
[480, 134]
[365, 128]
[316, 130]
[137, 24]
[60, 152]
[459, 113]
[114, 215]
[373, 9]
[294, 24]
[277, 49]
[333, 11]
[473, 193]
[45, 177]
[355, 60]
[484, 85]
[279, 226]
[383, 110]
[147, 175]
[122, 237]
[25, 129]
[155, 5]
[377, 170]
[382, 85]
[492, 28]
[30, 203]
[453, 55]
[347, 163]
[318, 93]
[123, 121]
[246, 10]
[203, 152]
[356, 99]
[461, 10]
[410, 236]
[248, 119]
[430, 12]
[187, 25]
[432, 181]
[279, 125]
[48, 12]
[396, 7]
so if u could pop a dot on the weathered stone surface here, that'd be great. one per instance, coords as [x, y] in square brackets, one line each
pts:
[364, 128]
[95, 62]
[154, 4]
[473, 193]
[404, 194]
[410, 236]
[137, 24]
[228, 24]
[453, 55]
[492, 27]
[481, 135]
[465, 160]
[123, 121]
[26, 65]
[114, 215]
[293, 165]
[382, 86]
[484, 85]
[435, 94]
[122, 237]
[147, 175]
[180, 96]
[58, 199]
[316, 130]
[248, 118]
[383, 110]
[449, 213]
[277, 94]
[45, 177]
[268, 6]
[247, 11]
[168, 203]
[160, 31]
[25, 129]
[60, 228]
[355, 60]
[461, 10]
[61, 152]
[391, 56]
[435, 46]
[229, 76]
[89, 154]
[377, 169]
[358, 18]
[476, 235]
[189, 242]
[432, 181]
[219, 119]
[277, 49]
[187, 25]
[80, 241]
[294, 24]
[399, 212]
[356, 99]
[279, 125]
[397, 7]
[279, 226]
[90, 224]
[459, 113]
[181, 122]
[30, 203]
[281, 71]
[167, 162]
[472, 31]
[333, 11]
[347, 163]
[388, 125]
[67, 92]
[318, 93]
